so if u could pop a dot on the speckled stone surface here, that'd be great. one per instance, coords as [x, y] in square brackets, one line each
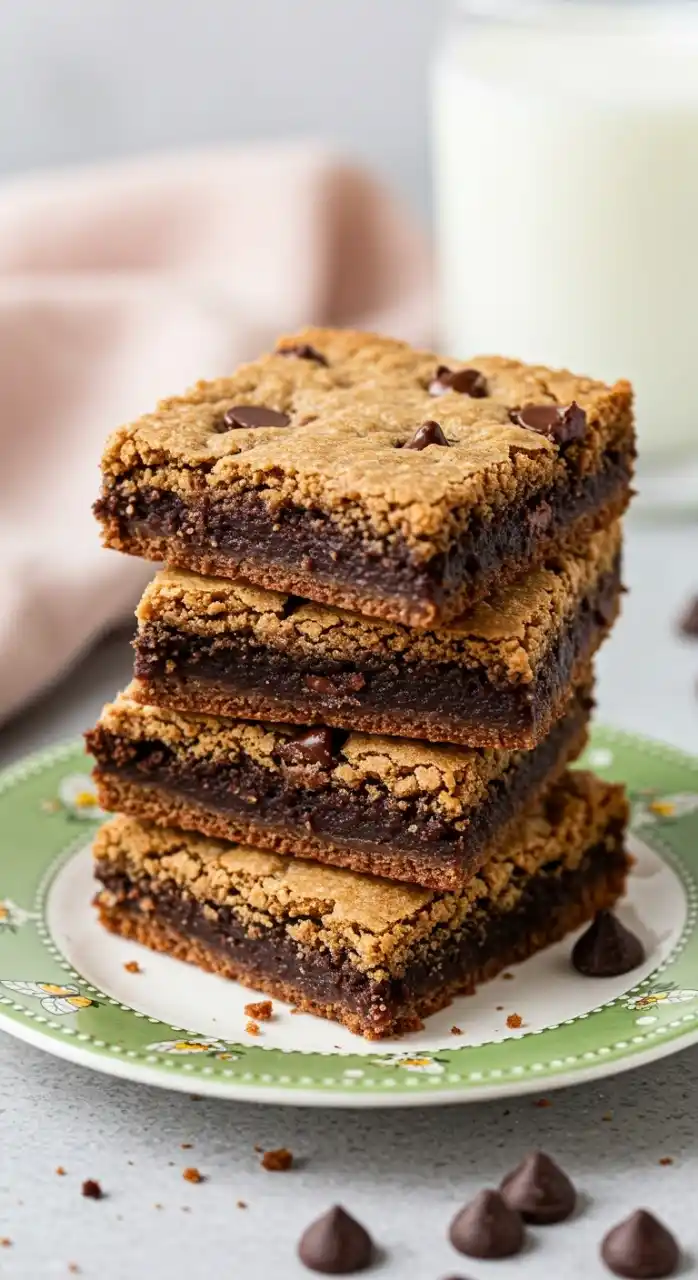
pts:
[403, 1174]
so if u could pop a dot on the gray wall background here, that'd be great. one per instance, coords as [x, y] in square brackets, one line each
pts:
[89, 79]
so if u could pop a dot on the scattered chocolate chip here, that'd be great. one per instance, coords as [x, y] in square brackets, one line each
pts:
[252, 415]
[277, 1161]
[539, 1190]
[468, 382]
[91, 1189]
[607, 949]
[561, 424]
[487, 1228]
[336, 1245]
[302, 351]
[429, 433]
[688, 622]
[640, 1248]
[313, 747]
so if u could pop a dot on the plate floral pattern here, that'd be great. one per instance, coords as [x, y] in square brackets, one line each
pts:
[48, 810]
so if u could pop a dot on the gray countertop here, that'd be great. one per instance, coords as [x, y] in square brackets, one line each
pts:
[402, 1173]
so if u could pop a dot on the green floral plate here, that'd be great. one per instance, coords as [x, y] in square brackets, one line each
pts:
[71, 989]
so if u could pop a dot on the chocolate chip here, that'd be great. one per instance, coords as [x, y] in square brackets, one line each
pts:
[539, 1190]
[350, 682]
[252, 415]
[688, 624]
[487, 1228]
[336, 1245]
[558, 423]
[302, 351]
[607, 949]
[429, 433]
[319, 684]
[468, 382]
[92, 1190]
[313, 747]
[640, 1248]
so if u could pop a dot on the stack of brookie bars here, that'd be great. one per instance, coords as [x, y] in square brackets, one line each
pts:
[341, 770]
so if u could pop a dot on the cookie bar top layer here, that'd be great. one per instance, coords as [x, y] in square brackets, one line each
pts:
[373, 924]
[337, 461]
[424, 814]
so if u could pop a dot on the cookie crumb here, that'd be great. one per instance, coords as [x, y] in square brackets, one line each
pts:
[456, 1031]
[5, 1242]
[192, 1175]
[241, 1204]
[262, 1011]
[73, 1268]
[157, 1205]
[666, 1160]
[252, 1029]
[607, 1115]
[132, 966]
[186, 1146]
[277, 1161]
[60, 1171]
[514, 1021]
[542, 1102]
[508, 976]
[92, 1190]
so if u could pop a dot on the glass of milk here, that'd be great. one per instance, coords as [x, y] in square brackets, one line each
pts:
[566, 175]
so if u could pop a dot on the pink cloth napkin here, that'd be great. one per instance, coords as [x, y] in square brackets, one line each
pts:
[125, 283]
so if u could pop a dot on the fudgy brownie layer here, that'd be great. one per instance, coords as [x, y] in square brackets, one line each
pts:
[366, 829]
[303, 551]
[235, 675]
[320, 982]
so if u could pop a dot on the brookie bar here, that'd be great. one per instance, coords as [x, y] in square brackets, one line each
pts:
[351, 469]
[498, 677]
[375, 956]
[385, 806]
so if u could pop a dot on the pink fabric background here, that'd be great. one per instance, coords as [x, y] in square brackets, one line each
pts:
[122, 284]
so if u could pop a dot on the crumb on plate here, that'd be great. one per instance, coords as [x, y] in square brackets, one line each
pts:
[277, 1161]
[262, 1010]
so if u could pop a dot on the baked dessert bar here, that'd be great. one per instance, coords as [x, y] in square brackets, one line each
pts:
[354, 470]
[375, 956]
[407, 810]
[498, 677]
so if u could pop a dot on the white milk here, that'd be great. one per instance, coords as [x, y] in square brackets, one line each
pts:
[566, 166]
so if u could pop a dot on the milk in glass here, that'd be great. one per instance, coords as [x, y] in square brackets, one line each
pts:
[566, 178]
